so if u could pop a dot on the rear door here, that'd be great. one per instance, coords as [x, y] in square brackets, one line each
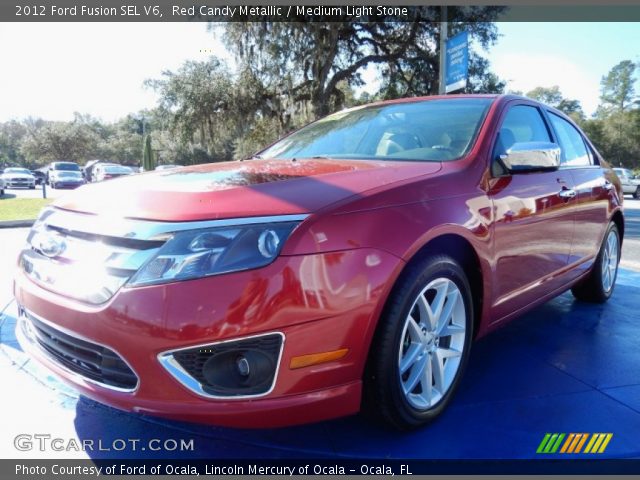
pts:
[592, 188]
[533, 229]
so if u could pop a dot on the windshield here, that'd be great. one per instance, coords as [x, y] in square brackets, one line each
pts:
[66, 166]
[70, 174]
[432, 130]
[17, 170]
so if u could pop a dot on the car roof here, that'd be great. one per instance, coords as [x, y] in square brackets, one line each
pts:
[504, 97]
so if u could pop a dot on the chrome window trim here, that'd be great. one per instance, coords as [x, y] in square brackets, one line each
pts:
[22, 318]
[172, 366]
[107, 225]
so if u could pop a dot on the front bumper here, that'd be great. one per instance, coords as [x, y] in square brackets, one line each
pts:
[65, 184]
[319, 303]
[19, 183]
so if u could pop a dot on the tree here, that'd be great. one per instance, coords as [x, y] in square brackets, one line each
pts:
[147, 155]
[305, 62]
[206, 106]
[481, 80]
[548, 95]
[11, 135]
[617, 88]
[553, 97]
[51, 141]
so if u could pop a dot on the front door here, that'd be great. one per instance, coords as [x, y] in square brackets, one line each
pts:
[534, 219]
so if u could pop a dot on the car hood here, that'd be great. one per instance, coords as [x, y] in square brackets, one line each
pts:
[18, 175]
[239, 189]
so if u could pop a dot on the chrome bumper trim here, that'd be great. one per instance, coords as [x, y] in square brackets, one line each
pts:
[143, 229]
[172, 366]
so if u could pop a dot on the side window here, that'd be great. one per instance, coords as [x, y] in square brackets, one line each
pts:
[574, 150]
[522, 123]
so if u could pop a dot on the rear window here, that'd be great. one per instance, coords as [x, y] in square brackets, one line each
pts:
[574, 150]
[70, 166]
[116, 169]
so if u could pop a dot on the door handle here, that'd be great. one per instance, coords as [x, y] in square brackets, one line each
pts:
[608, 185]
[567, 193]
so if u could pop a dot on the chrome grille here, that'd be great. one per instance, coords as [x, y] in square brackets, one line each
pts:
[79, 264]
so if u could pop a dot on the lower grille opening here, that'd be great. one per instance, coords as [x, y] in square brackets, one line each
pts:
[87, 359]
[238, 368]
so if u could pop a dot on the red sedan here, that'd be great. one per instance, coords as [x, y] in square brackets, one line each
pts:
[352, 262]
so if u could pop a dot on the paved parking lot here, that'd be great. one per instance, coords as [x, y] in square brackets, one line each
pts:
[564, 367]
[37, 193]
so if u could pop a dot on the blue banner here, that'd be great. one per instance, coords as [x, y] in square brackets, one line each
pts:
[457, 62]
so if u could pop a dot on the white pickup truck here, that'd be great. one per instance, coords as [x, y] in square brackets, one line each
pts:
[630, 183]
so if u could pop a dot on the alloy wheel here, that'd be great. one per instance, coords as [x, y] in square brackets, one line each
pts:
[433, 339]
[610, 261]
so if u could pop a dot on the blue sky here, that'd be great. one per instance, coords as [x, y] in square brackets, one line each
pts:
[50, 70]
[573, 56]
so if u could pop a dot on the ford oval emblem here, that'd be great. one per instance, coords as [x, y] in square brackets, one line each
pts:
[49, 244]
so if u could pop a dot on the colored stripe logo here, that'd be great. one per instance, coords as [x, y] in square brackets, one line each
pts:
[574, 443]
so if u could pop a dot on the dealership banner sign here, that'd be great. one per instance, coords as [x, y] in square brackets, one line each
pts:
[457, 62]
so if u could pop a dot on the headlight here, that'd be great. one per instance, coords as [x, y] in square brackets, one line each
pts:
[202, 253]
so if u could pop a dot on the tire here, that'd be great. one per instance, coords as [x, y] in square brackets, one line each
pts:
[32, 187]
[404, 329]
[636, 194]
[598, 286]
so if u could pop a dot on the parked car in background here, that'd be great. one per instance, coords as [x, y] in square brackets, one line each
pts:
[630, 182]
[67, 179]
[167, 167]
[106, 171]
[87, 170]
[40, 176]
[351, 263]
[18, 177]
[54, 169]
[1, 186]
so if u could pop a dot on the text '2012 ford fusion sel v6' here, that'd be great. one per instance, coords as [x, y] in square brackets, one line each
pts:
[351, 263]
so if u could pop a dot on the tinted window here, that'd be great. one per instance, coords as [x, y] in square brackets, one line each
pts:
[116, 169]
[437, 130]
[574, 150]
[522, 124]
[66, 166]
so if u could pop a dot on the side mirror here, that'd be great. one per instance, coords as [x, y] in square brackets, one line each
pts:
[527, 157]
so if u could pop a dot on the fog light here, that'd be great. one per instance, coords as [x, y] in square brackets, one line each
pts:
[230, 372]
[243, 366]
[238, 368]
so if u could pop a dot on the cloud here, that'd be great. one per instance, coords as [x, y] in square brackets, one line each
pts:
[526, 71]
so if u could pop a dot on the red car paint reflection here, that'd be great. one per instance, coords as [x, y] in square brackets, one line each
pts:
[365, 221]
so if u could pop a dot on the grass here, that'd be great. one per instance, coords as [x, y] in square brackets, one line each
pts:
[21, 208]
